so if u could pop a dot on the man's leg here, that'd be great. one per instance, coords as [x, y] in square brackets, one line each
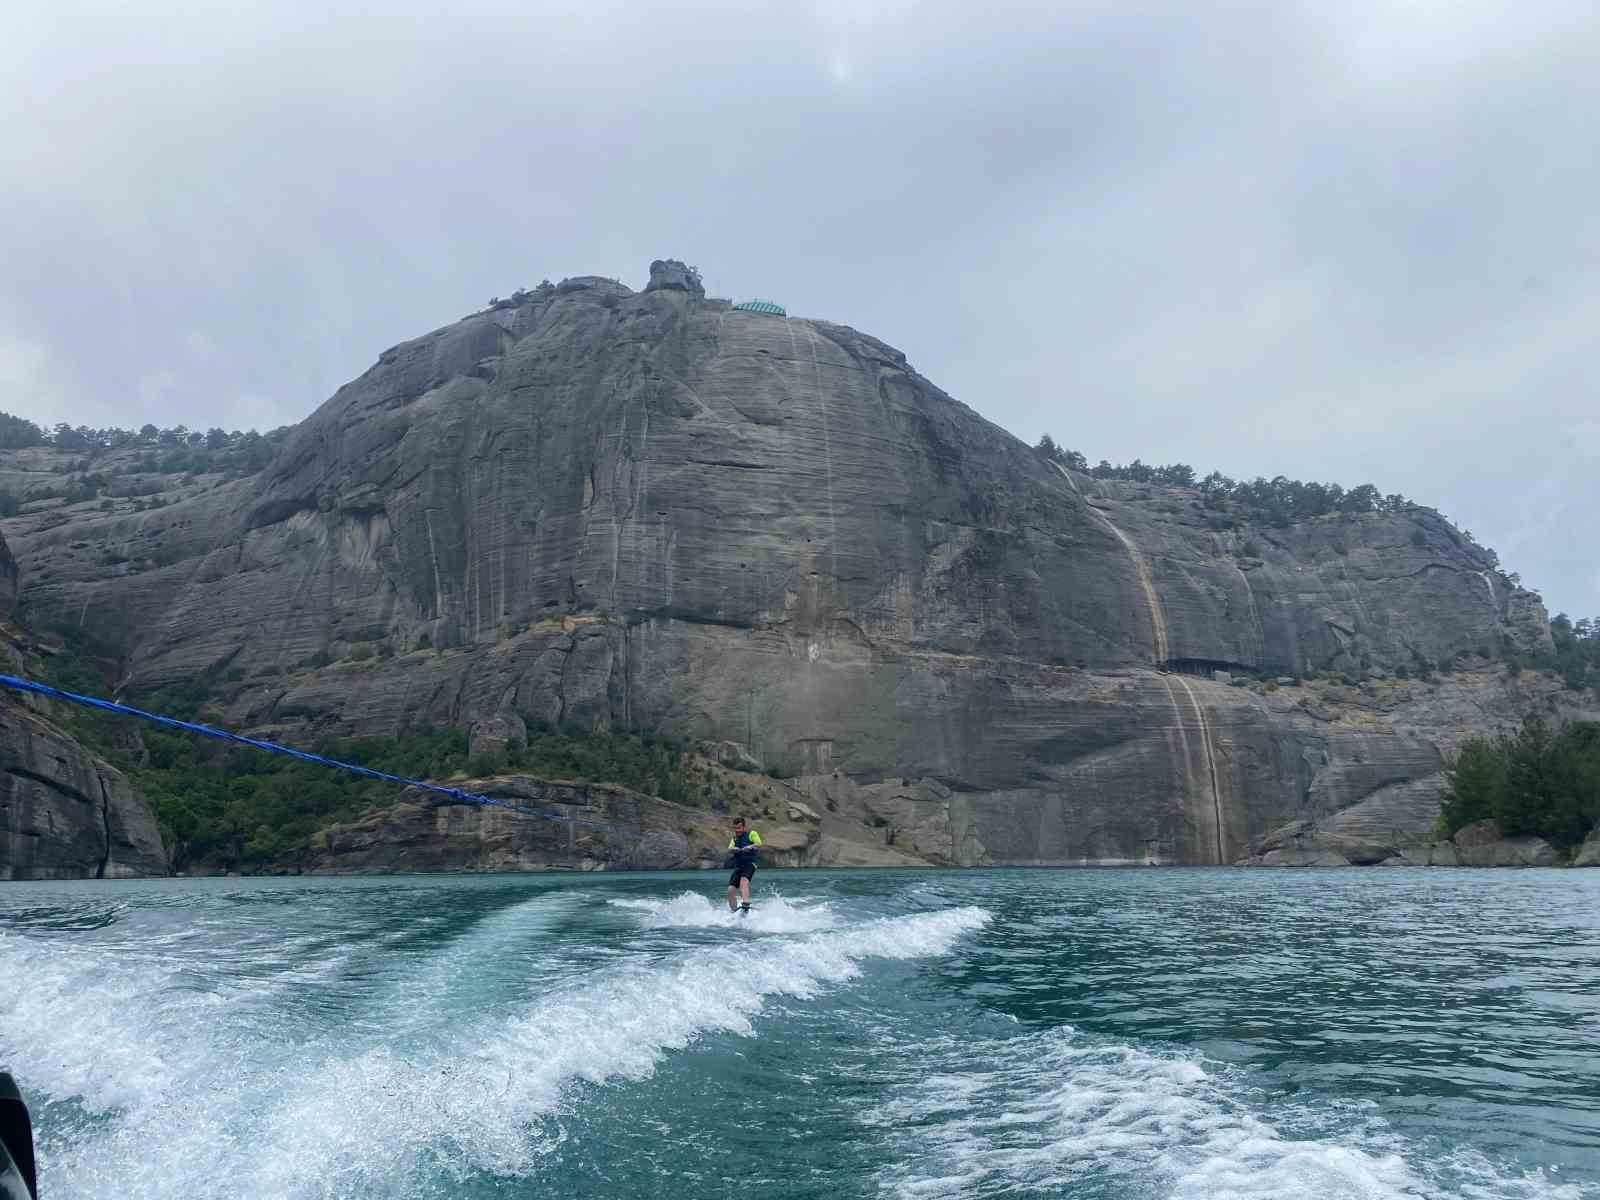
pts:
[732, 904]
[744, 888]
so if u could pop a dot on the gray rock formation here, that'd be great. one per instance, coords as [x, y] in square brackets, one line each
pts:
[1482, 844]
[496, 735]
[427, 832]
[8, 580]
[652, 511]
[590, 827]
[1395, 822]
[670, 273]
[64, 814]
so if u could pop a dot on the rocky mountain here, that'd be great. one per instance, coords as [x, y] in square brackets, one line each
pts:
[654, 510]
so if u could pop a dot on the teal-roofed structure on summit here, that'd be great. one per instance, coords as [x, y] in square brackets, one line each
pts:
[762, 306]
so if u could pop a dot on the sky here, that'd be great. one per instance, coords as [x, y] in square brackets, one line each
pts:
[1348, 242]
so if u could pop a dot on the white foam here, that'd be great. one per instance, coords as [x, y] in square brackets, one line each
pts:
[200, 1102]
[770, 914]
[1044, 1113]
[487, 963]
[67, 1033]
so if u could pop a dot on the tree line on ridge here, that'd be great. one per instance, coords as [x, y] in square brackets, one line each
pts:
[1279, 501]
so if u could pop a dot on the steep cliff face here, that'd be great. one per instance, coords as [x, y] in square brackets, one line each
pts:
[64, 814]
[652, 510]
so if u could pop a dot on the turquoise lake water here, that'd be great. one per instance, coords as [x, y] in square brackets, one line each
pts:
[1093, 1033]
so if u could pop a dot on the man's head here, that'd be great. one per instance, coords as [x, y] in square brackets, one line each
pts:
[738, 824]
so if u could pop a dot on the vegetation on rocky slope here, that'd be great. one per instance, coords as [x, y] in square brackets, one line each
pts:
[1279, 501]
[234, 808]
[1534, 782]
[108, 464]
[1576, 657]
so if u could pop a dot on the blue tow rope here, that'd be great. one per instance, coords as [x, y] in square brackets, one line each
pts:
[223, 735]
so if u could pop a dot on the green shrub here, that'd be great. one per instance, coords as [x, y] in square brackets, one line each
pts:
[1534, 782]
[486, 764]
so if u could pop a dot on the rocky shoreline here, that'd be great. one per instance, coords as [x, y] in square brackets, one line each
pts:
[1481, 844]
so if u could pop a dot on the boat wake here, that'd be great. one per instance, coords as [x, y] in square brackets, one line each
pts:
[1056, 1113]
[770, 914]
[156, 1092]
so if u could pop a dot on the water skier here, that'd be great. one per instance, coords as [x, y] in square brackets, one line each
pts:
[743, 850]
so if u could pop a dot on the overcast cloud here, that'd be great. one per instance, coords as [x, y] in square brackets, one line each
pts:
[1353, 241]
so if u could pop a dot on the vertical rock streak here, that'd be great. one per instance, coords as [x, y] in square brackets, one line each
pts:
[1181, 725]
[827, 459]
[1488, 582]
[1211, 762]
[618, 515]
[105, 827]
[1255, 617]
[1158, 619]
[433, 557]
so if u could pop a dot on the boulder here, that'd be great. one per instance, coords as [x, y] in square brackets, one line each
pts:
[1293, 856]
[1428, 854]
[494, 736]
[728, 753]
[671, 274]
[1481, 844]
[1389, 826]
[786, 844]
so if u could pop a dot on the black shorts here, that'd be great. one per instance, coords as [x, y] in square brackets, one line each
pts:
[741, 871]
